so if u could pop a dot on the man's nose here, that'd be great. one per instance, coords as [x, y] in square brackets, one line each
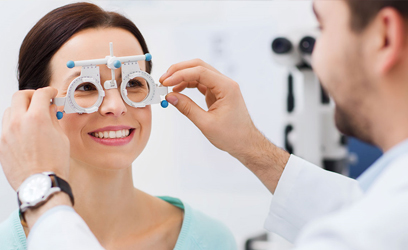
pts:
[113, 104]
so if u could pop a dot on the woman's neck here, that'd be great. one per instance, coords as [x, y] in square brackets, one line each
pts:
[119, 215]
[108, 201]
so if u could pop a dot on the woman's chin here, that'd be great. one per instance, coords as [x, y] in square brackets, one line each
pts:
[108, 162]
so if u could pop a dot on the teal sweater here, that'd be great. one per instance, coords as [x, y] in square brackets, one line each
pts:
[198, 232]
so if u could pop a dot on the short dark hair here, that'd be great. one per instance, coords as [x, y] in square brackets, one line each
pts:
[57, 27]
[364, 11]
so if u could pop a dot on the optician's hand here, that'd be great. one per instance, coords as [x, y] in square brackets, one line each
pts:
[32, 141]
[227, 123]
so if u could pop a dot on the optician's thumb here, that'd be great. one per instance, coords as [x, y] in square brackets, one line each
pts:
[187, 107]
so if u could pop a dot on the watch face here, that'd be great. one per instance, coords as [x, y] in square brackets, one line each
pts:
[34, 188]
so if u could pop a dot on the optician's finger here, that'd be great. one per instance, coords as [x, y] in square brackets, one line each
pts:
[184, 65]
[40, 102]
[6, 119]
[216, 83]
[202, 89]
[188, 108]
[53, 112]
[21, 101]
[5, 128]
[180, 87]
[4, 131]
[183, 85]
[195, 84]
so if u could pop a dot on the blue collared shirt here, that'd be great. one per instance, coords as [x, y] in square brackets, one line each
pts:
[372, 173]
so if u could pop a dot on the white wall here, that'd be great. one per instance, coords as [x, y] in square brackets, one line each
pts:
[233, 36]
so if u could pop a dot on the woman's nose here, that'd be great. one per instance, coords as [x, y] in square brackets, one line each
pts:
[112, 104]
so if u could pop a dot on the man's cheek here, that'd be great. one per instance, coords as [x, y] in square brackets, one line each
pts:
[319, 68]
[317, 57]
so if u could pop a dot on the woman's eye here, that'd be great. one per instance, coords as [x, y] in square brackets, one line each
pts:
[86, 87]
[134, 83]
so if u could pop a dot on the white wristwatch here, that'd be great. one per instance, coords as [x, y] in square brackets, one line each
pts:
[37, 188]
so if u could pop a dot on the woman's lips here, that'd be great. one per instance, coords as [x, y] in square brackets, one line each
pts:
[112, 128]
[113, 141]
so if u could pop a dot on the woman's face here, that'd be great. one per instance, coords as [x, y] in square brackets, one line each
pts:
[113, 114]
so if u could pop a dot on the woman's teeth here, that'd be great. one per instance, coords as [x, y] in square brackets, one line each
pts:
[111, 134]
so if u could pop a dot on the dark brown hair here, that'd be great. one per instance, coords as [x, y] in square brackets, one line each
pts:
[364, 11]
[56, 28]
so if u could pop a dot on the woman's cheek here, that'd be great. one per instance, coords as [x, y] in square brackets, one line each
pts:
[72, 125]
[145, 118]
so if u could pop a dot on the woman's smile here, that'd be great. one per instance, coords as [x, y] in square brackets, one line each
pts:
[113, 135]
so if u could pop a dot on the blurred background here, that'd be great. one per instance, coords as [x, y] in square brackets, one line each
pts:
[233, 36]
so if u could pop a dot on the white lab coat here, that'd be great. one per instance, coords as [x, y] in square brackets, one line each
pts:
[316, 208]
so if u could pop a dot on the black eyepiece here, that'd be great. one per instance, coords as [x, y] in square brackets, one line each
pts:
[306, 45]
[281, 45]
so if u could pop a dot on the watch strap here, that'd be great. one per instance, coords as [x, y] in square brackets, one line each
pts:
[65, 187]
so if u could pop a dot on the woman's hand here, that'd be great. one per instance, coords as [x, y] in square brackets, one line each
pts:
[32, 141]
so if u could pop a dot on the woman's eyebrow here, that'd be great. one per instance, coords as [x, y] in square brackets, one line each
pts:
[73, 75]
[78, 73]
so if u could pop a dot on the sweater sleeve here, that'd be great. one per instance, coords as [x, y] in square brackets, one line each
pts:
[12, 236]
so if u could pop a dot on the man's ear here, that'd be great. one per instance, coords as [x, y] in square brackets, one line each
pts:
[391, 33]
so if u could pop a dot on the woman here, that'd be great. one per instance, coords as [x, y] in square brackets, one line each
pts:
[120, 216]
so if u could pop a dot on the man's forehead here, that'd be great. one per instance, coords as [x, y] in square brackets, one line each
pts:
[315, 10]
[319, 7]
[328, 8]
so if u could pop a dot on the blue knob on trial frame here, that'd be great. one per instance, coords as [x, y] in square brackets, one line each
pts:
[70, 64]
[164, 104]
[117, 64]
[60, 115]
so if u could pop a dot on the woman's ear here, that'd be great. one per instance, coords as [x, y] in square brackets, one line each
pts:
[391, 31]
